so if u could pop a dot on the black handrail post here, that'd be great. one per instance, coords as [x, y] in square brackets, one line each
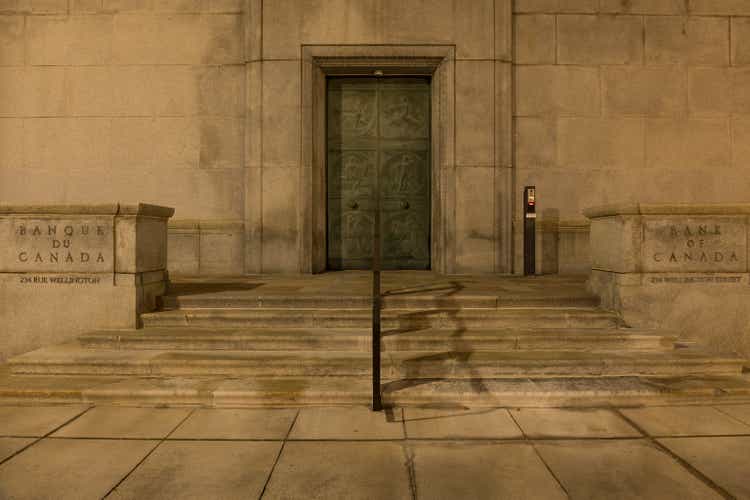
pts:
[377, 404]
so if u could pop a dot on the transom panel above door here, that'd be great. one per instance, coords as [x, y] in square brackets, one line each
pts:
[378, 158]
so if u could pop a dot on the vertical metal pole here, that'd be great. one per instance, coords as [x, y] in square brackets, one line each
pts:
[377, 404]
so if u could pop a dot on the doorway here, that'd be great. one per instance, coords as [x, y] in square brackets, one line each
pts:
[378, 158]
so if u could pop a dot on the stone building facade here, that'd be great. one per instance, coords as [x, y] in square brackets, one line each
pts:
[217, 108]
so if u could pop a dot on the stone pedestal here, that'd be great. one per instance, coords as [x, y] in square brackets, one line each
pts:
[682, 267]
[67, 269]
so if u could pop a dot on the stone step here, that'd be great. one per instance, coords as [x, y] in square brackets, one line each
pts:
[259, 391]
[255, 392]
[73, 359]
[411, 319]
[280, 339]
[395, 301]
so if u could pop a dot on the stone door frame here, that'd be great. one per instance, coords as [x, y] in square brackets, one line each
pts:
[320, 61]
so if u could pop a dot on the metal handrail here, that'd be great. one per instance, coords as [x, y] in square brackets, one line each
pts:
[377, 403]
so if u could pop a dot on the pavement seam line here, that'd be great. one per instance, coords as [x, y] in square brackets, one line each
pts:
[680, 461]
[718, 408]
[150, 452]
[38, 439]
[536, 452]
[278, 455]
[409, 453]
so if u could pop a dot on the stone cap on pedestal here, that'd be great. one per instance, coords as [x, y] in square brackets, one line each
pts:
[676, 238]
[667, 209]
[96, 238]
[143, 209]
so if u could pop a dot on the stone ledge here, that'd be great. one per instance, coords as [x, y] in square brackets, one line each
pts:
[100, 209]
[197, 224]
[143, 209]
[667, 209]
[146, 209]
[183, 225]
[552, 223]
[325, 54]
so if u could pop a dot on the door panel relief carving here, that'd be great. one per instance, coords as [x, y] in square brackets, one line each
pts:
[378, 138]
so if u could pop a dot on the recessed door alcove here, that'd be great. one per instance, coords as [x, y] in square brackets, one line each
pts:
[319, 64]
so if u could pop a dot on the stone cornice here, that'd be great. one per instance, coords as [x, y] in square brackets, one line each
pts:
[140, 209]
[667, 209]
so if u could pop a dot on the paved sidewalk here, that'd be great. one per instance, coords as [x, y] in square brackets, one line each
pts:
[683, 452]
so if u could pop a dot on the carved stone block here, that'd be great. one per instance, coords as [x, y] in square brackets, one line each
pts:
[69, 268]
[678, 267]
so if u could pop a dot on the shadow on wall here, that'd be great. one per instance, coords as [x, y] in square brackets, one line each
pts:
[562, 245]
[548, 239]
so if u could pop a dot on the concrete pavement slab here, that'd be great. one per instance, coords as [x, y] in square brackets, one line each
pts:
[9, 446]
[725, 460]
[236, 424]
[124, 422]
[424, 423]
[202, 470]
[347, 423]
[685, 421]
[482, 470]
[621, 469]
[327, 470]
[35, 421]
[567, 423]
[70, 468]
[740, 412]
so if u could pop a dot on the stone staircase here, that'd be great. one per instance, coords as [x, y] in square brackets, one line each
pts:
[246, 348]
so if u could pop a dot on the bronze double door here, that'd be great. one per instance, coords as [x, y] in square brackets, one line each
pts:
[378, 159]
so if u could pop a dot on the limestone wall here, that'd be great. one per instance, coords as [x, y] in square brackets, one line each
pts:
[476, 161]
[631, 100]
[197, 104]
[637, 104]
[136, 100]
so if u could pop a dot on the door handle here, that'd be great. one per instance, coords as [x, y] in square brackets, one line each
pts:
[354, 205]
[405, 205]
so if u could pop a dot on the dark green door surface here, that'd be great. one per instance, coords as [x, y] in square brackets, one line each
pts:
[379, 141]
